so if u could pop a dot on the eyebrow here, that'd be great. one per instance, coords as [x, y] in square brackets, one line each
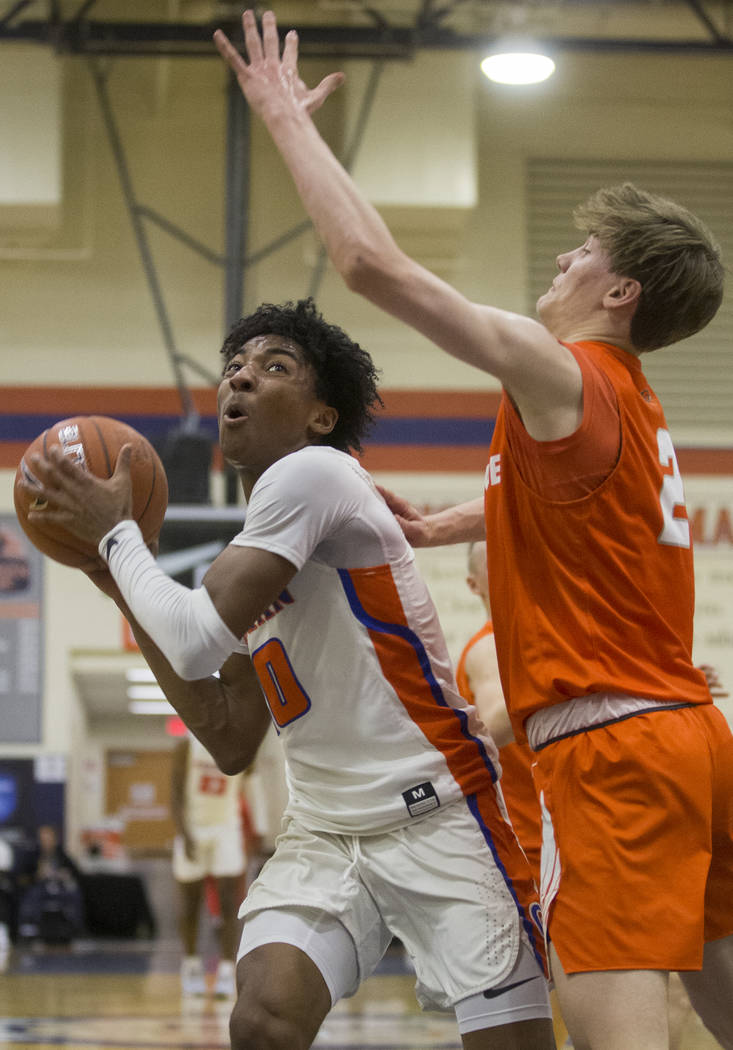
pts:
[297, 355]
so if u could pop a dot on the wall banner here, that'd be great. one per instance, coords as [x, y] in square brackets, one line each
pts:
[21, 636]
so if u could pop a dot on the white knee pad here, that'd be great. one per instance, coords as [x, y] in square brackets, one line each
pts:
[322, 937]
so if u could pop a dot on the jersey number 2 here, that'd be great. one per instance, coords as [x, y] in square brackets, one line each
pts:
[676, 530]
[285, 696]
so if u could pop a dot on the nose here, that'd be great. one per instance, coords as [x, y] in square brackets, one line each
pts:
[243, 378]
[563, 261]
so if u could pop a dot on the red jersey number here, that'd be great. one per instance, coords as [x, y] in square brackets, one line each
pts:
[212, 784]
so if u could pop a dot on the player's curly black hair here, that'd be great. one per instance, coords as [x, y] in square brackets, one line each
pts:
[346, 378]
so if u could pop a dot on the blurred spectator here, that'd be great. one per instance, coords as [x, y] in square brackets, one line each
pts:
[51, 905]
[8, 904]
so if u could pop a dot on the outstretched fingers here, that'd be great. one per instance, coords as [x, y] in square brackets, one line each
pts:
[318, 95]
[270, 38]
[252, 37]
[229, 53]
[290, 53]
[266, 75]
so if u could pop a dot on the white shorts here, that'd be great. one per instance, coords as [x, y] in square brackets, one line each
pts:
[219, 852]
[434, 884]
[522, 995]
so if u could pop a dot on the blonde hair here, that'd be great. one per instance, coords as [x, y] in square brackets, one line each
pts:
[668, 250]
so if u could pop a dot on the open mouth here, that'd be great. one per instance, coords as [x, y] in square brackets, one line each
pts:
[233, 413]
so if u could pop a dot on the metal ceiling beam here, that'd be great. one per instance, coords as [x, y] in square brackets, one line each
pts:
[94, 37]
[14, 10]
[141, 238]
[697, 8]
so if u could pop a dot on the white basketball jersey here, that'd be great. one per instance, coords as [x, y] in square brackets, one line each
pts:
[212, 798]
[351, 657]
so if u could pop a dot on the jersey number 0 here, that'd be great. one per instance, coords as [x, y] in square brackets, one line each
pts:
[286, 697]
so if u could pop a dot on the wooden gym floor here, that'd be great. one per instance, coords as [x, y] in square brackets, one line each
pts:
[126, 996]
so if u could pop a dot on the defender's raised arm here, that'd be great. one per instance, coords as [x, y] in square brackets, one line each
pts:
[535, 368]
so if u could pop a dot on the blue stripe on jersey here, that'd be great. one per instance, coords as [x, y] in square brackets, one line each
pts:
[527, 923]
[408, 635]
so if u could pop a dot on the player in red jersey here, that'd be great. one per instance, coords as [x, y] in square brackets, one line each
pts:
[584, 515]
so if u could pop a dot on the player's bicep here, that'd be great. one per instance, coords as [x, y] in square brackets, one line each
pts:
[540, 373]
[243, 582]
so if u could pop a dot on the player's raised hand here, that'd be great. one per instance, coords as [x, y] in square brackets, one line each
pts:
[269, 81]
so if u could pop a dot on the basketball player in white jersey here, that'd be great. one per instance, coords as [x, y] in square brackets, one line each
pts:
[206, 810]
[394, 825]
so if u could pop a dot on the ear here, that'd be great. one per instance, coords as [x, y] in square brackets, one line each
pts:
[625, 292]
[473, 588]
[323, 420]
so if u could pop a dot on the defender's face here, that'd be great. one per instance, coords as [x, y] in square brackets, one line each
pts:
[266, 403]
[578, 291]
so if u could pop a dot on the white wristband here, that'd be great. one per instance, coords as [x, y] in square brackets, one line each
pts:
[184, 624]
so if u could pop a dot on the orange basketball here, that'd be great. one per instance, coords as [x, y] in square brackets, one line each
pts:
[94, 442]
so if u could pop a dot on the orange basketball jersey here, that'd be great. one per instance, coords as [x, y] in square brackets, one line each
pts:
[596, 593]
[464, 686]
[516, 773]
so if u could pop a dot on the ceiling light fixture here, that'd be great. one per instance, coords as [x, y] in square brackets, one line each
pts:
[145, 692]
[139, 674]
[150, 707]
[517, 63]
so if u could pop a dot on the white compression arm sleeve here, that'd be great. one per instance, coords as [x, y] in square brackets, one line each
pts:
[184, 624]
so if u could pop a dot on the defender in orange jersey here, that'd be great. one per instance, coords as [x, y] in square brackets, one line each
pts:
[585, 517]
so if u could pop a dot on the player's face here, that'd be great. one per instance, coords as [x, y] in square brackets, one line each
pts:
[267, 404]
[576, 295]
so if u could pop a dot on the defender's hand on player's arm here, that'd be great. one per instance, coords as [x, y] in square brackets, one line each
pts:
[416, 526]
[271, 83]
[85, 505]
[462, 523]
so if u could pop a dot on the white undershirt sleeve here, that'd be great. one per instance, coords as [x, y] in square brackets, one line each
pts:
[183, 623]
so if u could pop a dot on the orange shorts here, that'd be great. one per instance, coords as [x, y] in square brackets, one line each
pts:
[637, 853]
[520, 796]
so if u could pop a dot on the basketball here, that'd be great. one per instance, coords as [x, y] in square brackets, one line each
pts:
[94, 442]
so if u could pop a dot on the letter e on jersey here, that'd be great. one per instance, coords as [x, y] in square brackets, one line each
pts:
[493, 471]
